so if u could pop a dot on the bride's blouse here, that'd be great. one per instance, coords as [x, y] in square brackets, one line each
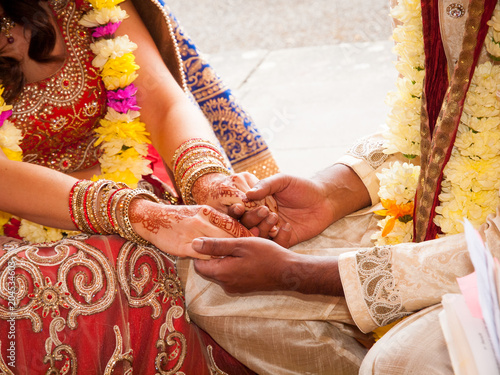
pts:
[57, 115]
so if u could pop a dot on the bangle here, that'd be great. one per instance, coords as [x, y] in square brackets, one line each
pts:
[127, 231]
[73, 191]
[77, 205]
[193, 159]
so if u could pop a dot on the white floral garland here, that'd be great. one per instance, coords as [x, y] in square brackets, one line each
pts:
[121, 134]
[472, 176]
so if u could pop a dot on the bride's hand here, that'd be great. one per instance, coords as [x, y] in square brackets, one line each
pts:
[172, 228]
[221, 192]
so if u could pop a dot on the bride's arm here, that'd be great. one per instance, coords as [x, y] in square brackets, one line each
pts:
[170, 117]
[35, 193]
[41, 195]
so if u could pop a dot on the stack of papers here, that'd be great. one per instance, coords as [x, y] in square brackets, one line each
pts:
[471, 320]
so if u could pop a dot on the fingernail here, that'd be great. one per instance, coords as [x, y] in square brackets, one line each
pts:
[238, 210]
[287, 227]
[272, 219]
[197, 244]
[262, 212]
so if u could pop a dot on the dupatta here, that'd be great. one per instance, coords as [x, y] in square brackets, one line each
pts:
[237, 133]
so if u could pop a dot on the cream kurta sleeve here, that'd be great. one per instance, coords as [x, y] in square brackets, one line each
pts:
[382, 284]
[366, 158]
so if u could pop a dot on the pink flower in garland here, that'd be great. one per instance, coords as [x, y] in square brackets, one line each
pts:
[4, 116]
[123, 100]
[106, 30]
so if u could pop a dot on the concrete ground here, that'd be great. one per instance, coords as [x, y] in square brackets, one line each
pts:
[314, 77]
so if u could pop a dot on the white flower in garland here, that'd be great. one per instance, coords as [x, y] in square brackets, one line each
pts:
[402, 131]
[402, 232]
[106, 49]
[10, 137]
[103, 16]
[399, 182]
[37, 233]
[491, 41]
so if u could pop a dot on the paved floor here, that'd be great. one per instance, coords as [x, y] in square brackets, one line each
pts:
[242, 25]
[312, 94]
[312, 103]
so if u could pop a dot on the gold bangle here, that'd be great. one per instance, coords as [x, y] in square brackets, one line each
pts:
[128, 231]
[78, 206]
[91, 203]
[114, 209]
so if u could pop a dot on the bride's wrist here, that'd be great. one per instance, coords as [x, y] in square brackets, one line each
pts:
[139, 212]
[193, 160]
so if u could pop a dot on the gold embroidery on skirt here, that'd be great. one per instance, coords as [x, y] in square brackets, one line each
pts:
[135, 276]
[87, 256]
[61, 352]
[118, 354]
[170, 337]
[62, 252]
[214, 369]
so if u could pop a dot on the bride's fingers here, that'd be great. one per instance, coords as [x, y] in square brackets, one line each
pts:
[244, 181]
[226, 223]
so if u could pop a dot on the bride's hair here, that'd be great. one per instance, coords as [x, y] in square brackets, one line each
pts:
[32, 16]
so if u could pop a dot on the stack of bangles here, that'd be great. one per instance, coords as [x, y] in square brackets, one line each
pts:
[102, 207]
[193, 159]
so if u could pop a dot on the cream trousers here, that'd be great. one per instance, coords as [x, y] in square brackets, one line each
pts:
[291, 333]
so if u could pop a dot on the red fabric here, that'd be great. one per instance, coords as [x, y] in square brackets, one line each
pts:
[158, 166]
[156, 332]
[436, 73]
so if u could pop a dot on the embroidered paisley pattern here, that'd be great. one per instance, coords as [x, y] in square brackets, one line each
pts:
[118, 355]
[171, 344]
[369, 150]
[72, 290]
[135, 274]
[378, 285]
[61, 352]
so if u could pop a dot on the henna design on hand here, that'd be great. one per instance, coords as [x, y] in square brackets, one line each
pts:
[207, 189]
[226, 223]
[153, 220]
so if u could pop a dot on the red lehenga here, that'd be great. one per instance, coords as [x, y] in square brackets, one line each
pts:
[98, 305]
[89, 304]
